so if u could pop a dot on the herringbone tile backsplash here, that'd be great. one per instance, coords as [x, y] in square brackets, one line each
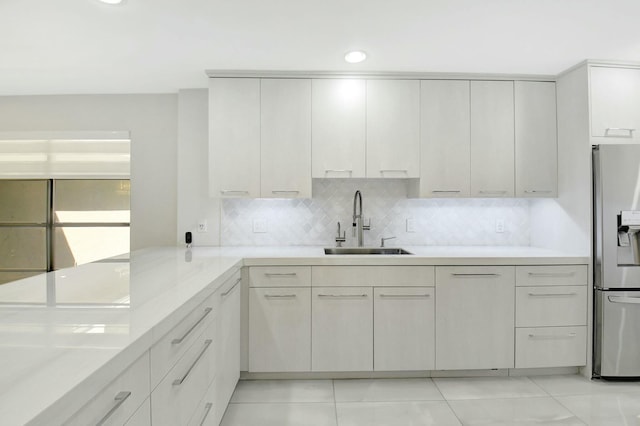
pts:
[313, 221]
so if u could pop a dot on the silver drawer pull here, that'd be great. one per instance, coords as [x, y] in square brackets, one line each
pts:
[552, 336]
[383, 171]
[285, 192]
[537, 191]
[446, 191]
[551, 294]
[281, 274]
[226, 293]
[455, 274]
[552, 274]
[621, 299]
[206, 312]
[620, 129]
[492, 192]
[233, 191]
[340, 296]
[405, 295]
[178, 382]
[327, 171]
[120, 398]
[207, 409]
[280, 296]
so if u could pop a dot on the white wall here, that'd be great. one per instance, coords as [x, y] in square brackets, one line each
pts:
[194, 203]
[152, 122]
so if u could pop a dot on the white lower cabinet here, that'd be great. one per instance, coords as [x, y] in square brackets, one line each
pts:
[142, 416]
[474, 317]
[551, 347]
[342, 329]
[228, 348]
[208, 412]
[279, 329]
[116, 403]
[404, 331]
[551, 306]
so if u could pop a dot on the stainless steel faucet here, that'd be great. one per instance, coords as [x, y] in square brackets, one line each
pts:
[358, 219]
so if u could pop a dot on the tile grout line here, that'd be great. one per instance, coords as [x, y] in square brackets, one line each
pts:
[446, 400]
[335, 403]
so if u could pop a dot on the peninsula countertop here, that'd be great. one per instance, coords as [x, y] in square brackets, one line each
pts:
[67, 333]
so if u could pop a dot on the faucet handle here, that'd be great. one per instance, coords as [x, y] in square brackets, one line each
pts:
[382, 240]
[366, 227]
[341, 238]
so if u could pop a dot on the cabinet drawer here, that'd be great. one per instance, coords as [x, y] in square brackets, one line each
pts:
[166, 352]
[280, 276]
[120, 399]
[279, 329]
[387, 276]
[551, 347]
[174, 400]
[551, 275]
[142, 416]
[551, 306]
[207, 413]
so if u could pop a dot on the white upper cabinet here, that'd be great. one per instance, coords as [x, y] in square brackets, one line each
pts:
[615, 103]
[234, 146]
[393, 128]
[285, 150]
[444, 139]
[536, 139]
[492, 139]
[338, 114]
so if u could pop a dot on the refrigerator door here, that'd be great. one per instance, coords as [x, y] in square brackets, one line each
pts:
[616, 171]
[617, 342]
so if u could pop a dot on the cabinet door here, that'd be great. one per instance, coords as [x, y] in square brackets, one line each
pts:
[342, 324]
[338, 128]
[615, 103]
[404, 332]
[536, 139]
[393, 128]
[445, 144]
[492, 139]
[234, 137]
[285, 149]
[475, 317]
[280, 329]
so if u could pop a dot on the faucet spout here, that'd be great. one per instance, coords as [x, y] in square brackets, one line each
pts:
[358, 218]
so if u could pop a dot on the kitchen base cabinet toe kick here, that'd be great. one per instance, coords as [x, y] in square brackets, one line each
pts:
[397, 321]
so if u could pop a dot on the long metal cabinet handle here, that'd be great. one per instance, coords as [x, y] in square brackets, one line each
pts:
[446, 191]
[207, 311]
[233, 191]
[327, 171]
[405, 295]
[120, 398]
[537, 191]
[622, 299]
[282, 274]
[492, 192]
[552, 274]
[207, 409]
[280, 296]
[456, 274]
[552, 294]
[383, 171]
[625, 129]
[178, 382]
[551, 336]
[226, 293]
[285, 192]
[342, 295]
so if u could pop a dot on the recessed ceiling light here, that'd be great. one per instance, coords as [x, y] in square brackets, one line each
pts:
[111, 1]
[355, 56]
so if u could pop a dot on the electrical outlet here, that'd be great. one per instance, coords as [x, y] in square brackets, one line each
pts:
[259, 225]
[499, 225]
[202, 226]
[411, 225]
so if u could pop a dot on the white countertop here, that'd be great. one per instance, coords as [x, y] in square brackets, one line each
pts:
[66, 334]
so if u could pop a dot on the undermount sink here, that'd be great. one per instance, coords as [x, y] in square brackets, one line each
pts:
[365, 250]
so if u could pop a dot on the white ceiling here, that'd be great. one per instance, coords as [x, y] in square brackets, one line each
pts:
[146, 46]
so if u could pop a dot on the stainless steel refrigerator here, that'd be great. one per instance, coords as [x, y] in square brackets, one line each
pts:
[616, 198]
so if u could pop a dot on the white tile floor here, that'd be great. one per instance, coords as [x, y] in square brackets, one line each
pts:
[548, 400]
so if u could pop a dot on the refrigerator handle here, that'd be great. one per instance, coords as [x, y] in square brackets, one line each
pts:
[621, 299]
